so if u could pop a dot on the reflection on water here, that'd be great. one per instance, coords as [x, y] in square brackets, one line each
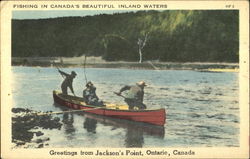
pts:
[129, 126]
[68, 120]
[90, 125]
[135, 131]
[134, 138]
[202, 108]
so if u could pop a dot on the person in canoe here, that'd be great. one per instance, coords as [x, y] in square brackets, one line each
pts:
[134, 97]
[68, 81]
[89, 95]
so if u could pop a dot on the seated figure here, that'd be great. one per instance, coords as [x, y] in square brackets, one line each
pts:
[90, 97]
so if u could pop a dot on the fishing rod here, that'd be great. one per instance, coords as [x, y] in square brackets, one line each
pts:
[84, 65]
[57, 68]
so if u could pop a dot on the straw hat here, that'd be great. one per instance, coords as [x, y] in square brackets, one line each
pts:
[141, 83]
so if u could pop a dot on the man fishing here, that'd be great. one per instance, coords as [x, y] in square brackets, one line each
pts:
[68, 81]
[89, 95]
[134, 97]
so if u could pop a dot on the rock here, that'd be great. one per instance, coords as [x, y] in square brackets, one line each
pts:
[39, 133]
[39, 141]
[23, 126]
[40, 146]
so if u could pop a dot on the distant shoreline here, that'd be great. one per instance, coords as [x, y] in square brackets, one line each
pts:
[97, 62]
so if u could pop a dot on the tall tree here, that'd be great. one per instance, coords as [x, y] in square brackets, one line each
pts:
[141, 44]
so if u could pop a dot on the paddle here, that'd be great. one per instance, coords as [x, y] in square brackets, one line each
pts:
[124, 98]
[118, 94]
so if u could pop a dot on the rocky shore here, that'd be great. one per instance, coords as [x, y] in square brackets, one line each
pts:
[27, 126]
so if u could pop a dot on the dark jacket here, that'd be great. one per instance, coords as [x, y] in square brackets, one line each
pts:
[68, 81]
[90, 97]
[135, 92]
[89, 93]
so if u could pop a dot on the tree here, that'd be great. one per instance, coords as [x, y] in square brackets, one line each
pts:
[141, 43]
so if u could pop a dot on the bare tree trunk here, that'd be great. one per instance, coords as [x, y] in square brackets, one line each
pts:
[141, 43]
[140, 60]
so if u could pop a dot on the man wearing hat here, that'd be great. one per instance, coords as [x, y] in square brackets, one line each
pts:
[89, 95]
[134, 97]
[68, 81]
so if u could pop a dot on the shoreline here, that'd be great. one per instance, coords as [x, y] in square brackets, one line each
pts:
[97, 62]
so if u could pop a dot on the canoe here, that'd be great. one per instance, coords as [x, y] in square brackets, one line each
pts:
[129, 125]
[150, 116]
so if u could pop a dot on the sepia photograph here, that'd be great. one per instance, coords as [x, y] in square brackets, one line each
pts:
[129, 80]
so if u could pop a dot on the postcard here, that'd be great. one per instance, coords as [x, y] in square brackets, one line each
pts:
[124, 79]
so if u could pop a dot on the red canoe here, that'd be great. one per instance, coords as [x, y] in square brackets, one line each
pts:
[155, 116]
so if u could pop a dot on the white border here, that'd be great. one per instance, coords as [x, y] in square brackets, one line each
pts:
[214, 152]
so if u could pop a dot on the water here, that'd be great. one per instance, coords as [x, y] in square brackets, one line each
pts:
[202, 108]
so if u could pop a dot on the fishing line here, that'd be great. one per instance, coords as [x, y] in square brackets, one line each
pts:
[60, 112]
[156, 68]
[84, 64]
[68, 111]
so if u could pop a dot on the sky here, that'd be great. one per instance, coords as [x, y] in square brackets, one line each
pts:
[60, 13]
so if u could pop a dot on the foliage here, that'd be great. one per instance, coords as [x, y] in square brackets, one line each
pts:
[184, 36]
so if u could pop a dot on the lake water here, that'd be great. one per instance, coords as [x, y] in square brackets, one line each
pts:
[202, 107]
